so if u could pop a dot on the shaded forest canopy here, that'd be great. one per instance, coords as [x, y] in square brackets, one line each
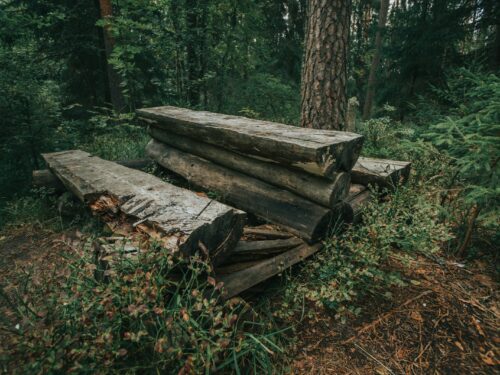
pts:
[237, 57]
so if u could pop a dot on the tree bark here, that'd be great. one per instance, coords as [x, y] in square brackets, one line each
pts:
[115, 92]
[324, 72]
[320, 152]
[326, 192]
[298, 215]
[132, 200]
[372, 78]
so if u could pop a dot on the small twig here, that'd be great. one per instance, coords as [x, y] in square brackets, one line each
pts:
[375, 359]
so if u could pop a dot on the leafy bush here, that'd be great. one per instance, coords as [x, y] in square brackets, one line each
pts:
[354, 262]
[154, 314]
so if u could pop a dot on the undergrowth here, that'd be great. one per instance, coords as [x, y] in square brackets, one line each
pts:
[354, 262]
[152, 314]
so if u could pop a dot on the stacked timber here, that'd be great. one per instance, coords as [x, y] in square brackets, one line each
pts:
[131, 201]
[290, 176]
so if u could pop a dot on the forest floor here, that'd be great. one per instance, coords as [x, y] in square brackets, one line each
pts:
[446, 321]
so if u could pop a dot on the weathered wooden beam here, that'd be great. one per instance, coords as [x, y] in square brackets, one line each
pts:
[298, 215]
[324, 191]
[45, 178]
[265, 233]
[322, 152]
[230, 268]
[239, 281]
[352, 207]
[178, 218]
[382, 172]
[266, 246]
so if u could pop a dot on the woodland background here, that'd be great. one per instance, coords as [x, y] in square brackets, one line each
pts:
[73, 72]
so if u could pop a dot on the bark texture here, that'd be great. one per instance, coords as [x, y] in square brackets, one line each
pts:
[324, 72]
[298, 215]
[128, 198]
[324, 191]
[372, 78]
[115, 92]
[317, 151]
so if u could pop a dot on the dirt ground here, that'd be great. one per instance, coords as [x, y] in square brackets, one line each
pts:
[445, 322]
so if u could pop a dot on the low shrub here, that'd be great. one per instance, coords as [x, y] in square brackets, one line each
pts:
[154, 314]
[354, 262]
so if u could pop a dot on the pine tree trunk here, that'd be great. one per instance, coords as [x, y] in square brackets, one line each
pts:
[115, 92]
[372, 78]
[324, 73]
[192, 49]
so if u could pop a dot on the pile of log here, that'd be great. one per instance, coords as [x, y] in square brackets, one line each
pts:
[298, 180]
[290, 176]
[295, 177]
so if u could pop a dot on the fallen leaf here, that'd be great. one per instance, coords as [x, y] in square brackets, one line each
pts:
[415, 315]
[488, 359]
[459, 345]
[478, 326]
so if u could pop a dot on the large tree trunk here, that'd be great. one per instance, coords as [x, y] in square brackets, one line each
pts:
[115, 92]
[372, 79]
[324, 73]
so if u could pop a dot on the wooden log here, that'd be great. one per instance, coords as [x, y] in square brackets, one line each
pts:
[352, 207]
[263, 232]
[237, 282]
[178, 218]
[230, 268]
[298, 215]
[324, 191]
[46, 179]
[382, 172]
[266, 246]
[317, 151]
[255, 250]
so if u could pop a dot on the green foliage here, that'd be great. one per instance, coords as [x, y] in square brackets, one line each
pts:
[355, 262]
[470, 135]
[155, 314]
